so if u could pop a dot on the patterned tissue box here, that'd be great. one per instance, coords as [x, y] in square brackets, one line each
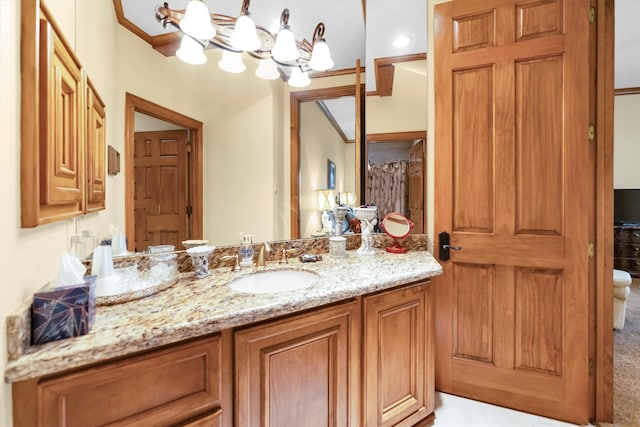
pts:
[63, 312]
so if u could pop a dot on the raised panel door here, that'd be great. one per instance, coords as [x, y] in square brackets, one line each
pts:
[300, 371]
[514, 182]
[398, 369]
[61, 130]
[160, 189]
[96, 149]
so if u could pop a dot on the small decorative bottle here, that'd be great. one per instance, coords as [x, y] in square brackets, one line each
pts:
[245, 254]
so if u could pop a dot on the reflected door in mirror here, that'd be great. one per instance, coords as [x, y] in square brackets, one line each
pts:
[160, 169]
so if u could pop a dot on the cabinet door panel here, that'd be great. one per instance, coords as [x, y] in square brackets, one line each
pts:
[61, 103]
[300, 371]
[398, 357]
[96, 148]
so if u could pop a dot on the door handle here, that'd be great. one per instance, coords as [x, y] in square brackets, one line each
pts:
[445, 247]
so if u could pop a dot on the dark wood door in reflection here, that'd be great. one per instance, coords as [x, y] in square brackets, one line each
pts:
[161, 196]
[416, 186]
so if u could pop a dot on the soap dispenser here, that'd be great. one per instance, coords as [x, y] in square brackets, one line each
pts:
[245, 254]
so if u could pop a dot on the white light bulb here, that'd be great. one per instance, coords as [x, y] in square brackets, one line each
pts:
[191, 51]
[267, 70]
[285, 49]
[320, 57]
[298, 78]
[232, 62]
[244, 35]
[197, 21]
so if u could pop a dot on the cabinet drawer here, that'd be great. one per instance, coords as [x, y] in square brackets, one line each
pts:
[159, 388]
[626, 250]
[627, 234]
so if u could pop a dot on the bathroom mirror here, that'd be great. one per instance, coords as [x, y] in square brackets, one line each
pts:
[235, 123]
[398, 227]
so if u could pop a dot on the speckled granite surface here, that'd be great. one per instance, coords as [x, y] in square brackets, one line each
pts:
[193, 308]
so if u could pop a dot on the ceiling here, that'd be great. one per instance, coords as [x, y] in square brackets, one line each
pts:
[344, 22]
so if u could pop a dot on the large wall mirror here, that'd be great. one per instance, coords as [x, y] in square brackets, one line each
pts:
[248, 171]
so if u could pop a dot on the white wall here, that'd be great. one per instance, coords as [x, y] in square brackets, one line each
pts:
[626, 146]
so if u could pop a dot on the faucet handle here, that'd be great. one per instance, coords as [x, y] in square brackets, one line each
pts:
[236, 266]
[286, 251]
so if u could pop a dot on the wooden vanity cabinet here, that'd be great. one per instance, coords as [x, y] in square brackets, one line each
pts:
[184, 384]
[300, 371]
[303, 370]
[367, 361]
[398, 360]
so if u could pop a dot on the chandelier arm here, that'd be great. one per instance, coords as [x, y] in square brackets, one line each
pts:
[284, 18]
[319, 32]
[245, 7]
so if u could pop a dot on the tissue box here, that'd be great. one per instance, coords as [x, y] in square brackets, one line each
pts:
[63, 312]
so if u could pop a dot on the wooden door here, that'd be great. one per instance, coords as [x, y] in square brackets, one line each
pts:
[416, 186]
[161, 193]
[398, 379]
[300, 371]
[514, 190]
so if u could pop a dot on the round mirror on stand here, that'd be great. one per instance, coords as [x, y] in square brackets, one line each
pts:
[398, 227]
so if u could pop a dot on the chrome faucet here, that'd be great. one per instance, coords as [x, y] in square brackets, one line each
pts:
[260, 261]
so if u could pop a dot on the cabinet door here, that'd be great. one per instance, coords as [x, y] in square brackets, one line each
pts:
[61, 130]
[398, 377]
[300, 371]
[160, 388]
[96, 147]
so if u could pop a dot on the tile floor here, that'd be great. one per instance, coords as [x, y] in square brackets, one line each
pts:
[454, 411]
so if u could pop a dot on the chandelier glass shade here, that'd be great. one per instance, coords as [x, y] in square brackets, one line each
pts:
[203, 30]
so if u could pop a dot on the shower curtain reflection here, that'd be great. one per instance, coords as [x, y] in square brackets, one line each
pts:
[388, 188]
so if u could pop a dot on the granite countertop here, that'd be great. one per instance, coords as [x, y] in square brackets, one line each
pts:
[196, 307]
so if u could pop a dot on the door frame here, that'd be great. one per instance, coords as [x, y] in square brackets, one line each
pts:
[135, 104]
[604, 210]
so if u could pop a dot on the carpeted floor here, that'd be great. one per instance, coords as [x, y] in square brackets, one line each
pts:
[626, 362]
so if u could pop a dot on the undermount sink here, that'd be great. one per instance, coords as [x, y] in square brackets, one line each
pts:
[264, 282]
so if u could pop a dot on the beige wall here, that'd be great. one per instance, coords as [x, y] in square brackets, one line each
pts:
[626, 147]
[406, 109]
[318, 142]
[238, 134]
[29, 257]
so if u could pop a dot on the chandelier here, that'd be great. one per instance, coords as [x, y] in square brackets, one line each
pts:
[202, 29]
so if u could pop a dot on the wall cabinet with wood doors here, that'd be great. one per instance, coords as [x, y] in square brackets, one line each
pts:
[63, 135]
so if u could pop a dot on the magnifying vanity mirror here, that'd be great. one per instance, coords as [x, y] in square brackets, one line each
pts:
[398, 227]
